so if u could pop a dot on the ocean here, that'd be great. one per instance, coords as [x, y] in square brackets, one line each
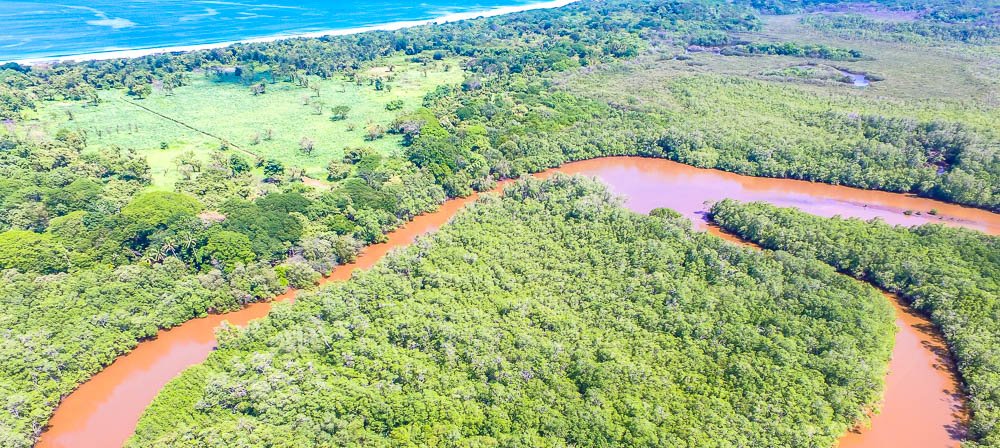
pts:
[52, 29]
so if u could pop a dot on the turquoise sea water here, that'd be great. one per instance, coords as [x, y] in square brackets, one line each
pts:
[50, 28]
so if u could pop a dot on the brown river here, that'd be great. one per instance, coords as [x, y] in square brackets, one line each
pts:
[922, 405]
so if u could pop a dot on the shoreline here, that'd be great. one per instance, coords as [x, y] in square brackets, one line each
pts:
[391, 26]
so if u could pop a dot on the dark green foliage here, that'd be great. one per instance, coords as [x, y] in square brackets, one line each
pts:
[78, 195]
[953, 275]
[273, 168]
[270, 232]
[551, 317]
[794, 49]
[238, 164]
[284, 203]
[363, 196]
[225, 249]
[58, 330]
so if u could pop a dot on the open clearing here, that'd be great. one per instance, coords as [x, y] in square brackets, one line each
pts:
[231, 112]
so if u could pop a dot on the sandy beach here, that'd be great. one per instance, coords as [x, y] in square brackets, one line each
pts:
[137, 52]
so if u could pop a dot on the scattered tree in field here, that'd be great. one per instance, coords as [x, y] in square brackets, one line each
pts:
[187, 164]
[238, 164]
[317, 106]
[307, 145]
[354, 155]
[273, 168]
[374, 132]
[140, 90]
[339, 113]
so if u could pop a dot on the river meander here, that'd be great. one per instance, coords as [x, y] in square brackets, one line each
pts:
[922, 402]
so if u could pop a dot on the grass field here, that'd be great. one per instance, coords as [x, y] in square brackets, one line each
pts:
[946, 81]
[946, 70]
[958, 74]
[229, 111]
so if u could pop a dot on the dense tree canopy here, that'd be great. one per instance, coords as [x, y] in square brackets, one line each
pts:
[735, 124]
[951, 274]
[81, 230]
[28, 251]
[551, 317]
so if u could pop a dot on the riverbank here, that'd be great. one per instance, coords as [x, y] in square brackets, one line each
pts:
[392, 26]
[105, 410]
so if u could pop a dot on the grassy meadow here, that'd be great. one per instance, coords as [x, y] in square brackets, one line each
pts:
[270, 125]
[926, 82]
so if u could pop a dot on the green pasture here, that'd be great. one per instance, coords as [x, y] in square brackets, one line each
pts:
[228, 110]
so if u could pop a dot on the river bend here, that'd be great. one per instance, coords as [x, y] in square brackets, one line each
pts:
[922, 402]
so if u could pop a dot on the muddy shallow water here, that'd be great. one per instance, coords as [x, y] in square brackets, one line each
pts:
[921, 407]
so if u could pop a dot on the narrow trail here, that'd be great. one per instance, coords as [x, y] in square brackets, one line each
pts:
[188, 126]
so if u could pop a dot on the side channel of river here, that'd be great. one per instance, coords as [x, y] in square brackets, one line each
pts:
[922, 404]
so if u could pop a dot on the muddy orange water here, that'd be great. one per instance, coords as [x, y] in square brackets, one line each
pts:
[921, 406]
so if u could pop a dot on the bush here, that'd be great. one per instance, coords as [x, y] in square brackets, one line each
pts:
[297, 274]
[339, 113]
[337, 170]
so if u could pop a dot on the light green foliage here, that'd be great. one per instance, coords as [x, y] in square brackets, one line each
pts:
[551, 317]
[975, 26]
[159, 209]
[953, 275]
[269, 125]
[28, 251]
[297, 274]
[337, 170]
